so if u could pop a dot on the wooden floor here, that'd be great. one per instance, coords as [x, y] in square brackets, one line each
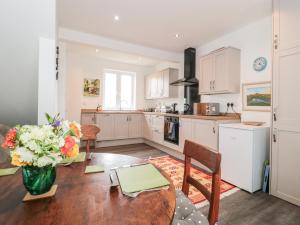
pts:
[240, 208]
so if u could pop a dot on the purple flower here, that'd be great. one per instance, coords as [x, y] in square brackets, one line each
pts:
[56, 123]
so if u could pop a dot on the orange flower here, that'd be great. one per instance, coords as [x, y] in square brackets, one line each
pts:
[75, 129]
[10, 139]
[74, 152]
[69, 144]
[15, 160]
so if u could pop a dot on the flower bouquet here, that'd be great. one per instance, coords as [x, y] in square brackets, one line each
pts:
[38, 149]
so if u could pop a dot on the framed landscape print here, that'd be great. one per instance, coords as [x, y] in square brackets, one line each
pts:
[91, 87]
[257, 96]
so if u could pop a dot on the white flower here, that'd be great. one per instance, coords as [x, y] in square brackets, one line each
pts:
[25, 137]
[32, 145]
[25, 155]
[61, 142]
[43, 161]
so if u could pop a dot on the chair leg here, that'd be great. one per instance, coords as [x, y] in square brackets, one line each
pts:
[88, 149]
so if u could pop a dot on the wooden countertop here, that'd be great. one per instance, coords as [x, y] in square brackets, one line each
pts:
[229, 116]
[112, 111]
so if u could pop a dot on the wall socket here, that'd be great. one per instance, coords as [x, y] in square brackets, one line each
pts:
[230, 104]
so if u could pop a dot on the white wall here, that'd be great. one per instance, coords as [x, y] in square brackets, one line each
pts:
[254, 40]
[22, 24]
[79, 66]
[47, 85]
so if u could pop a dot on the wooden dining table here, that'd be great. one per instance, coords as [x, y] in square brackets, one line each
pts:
[86, 198]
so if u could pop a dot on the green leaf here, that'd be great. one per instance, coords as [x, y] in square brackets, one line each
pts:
[49, 118]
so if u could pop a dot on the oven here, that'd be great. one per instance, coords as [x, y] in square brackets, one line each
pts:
[171, 129]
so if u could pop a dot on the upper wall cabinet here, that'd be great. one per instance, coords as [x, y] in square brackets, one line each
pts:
[219, 72]
[157, 85]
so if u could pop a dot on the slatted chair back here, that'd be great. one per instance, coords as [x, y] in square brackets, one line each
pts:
[210, 160]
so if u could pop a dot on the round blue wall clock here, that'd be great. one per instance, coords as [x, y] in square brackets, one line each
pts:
[260, 64]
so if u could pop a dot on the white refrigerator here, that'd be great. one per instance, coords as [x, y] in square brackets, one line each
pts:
[244, 150]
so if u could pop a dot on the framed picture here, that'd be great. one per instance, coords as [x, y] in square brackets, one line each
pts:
[257, 96]
[91, 87]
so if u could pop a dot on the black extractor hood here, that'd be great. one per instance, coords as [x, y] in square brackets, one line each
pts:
[189, 69]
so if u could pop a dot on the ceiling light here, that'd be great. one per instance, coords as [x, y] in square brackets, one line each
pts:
[177, 35]
[97, 50]
[116, 18]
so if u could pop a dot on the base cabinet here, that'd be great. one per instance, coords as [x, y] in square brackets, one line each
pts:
[205, 132]
[119, 126]
[106, 123]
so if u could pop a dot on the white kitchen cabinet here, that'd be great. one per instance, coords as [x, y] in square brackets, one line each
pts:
[106, 123]
[118, 126]
[206, 74]
[219, 72]
[205, 132]
[185, 132]
[154, 128]
[121, 126]
[135, 126]
[157, 85]
[157, 128]
[88, 118]
[147, 133]
[244, 150]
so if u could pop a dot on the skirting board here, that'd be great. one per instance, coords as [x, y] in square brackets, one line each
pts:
[119, 142]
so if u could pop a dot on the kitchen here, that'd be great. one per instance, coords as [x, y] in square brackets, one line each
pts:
[166, 128]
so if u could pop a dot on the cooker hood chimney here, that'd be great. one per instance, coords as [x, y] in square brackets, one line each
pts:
[189, 69]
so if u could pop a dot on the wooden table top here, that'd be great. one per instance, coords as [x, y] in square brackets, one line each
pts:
[86, 199]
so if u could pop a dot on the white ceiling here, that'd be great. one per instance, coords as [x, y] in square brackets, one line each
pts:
[154, 23]
[112, 55]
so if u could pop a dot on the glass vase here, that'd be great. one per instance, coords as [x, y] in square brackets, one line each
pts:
[38, 180]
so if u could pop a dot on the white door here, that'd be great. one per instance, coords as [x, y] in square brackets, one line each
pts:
[220, 82]
[121, 126]
[286, 128]
[106, 123]
[204, 132]
[286, 23]
[185, 132]
[285, 176]
[135, 125]
[206, 73]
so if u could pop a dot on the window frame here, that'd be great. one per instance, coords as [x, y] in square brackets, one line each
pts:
[119, 74]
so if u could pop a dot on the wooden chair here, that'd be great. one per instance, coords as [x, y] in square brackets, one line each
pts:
[89, 134]
[186, 212]
[212, 161]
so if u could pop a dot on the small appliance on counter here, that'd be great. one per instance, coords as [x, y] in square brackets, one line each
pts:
[207, 109]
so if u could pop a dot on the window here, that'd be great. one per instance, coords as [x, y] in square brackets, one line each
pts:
[119, 90]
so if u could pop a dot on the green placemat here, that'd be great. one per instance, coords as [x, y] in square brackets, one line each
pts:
[140, 178]
[94, 169]
[8, 171]
[79, 158]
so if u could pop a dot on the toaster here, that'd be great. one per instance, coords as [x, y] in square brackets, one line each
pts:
[207, 109]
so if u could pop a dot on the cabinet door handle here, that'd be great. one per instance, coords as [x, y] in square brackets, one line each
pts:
[214, 130]
[214, 84]
[210, 85]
